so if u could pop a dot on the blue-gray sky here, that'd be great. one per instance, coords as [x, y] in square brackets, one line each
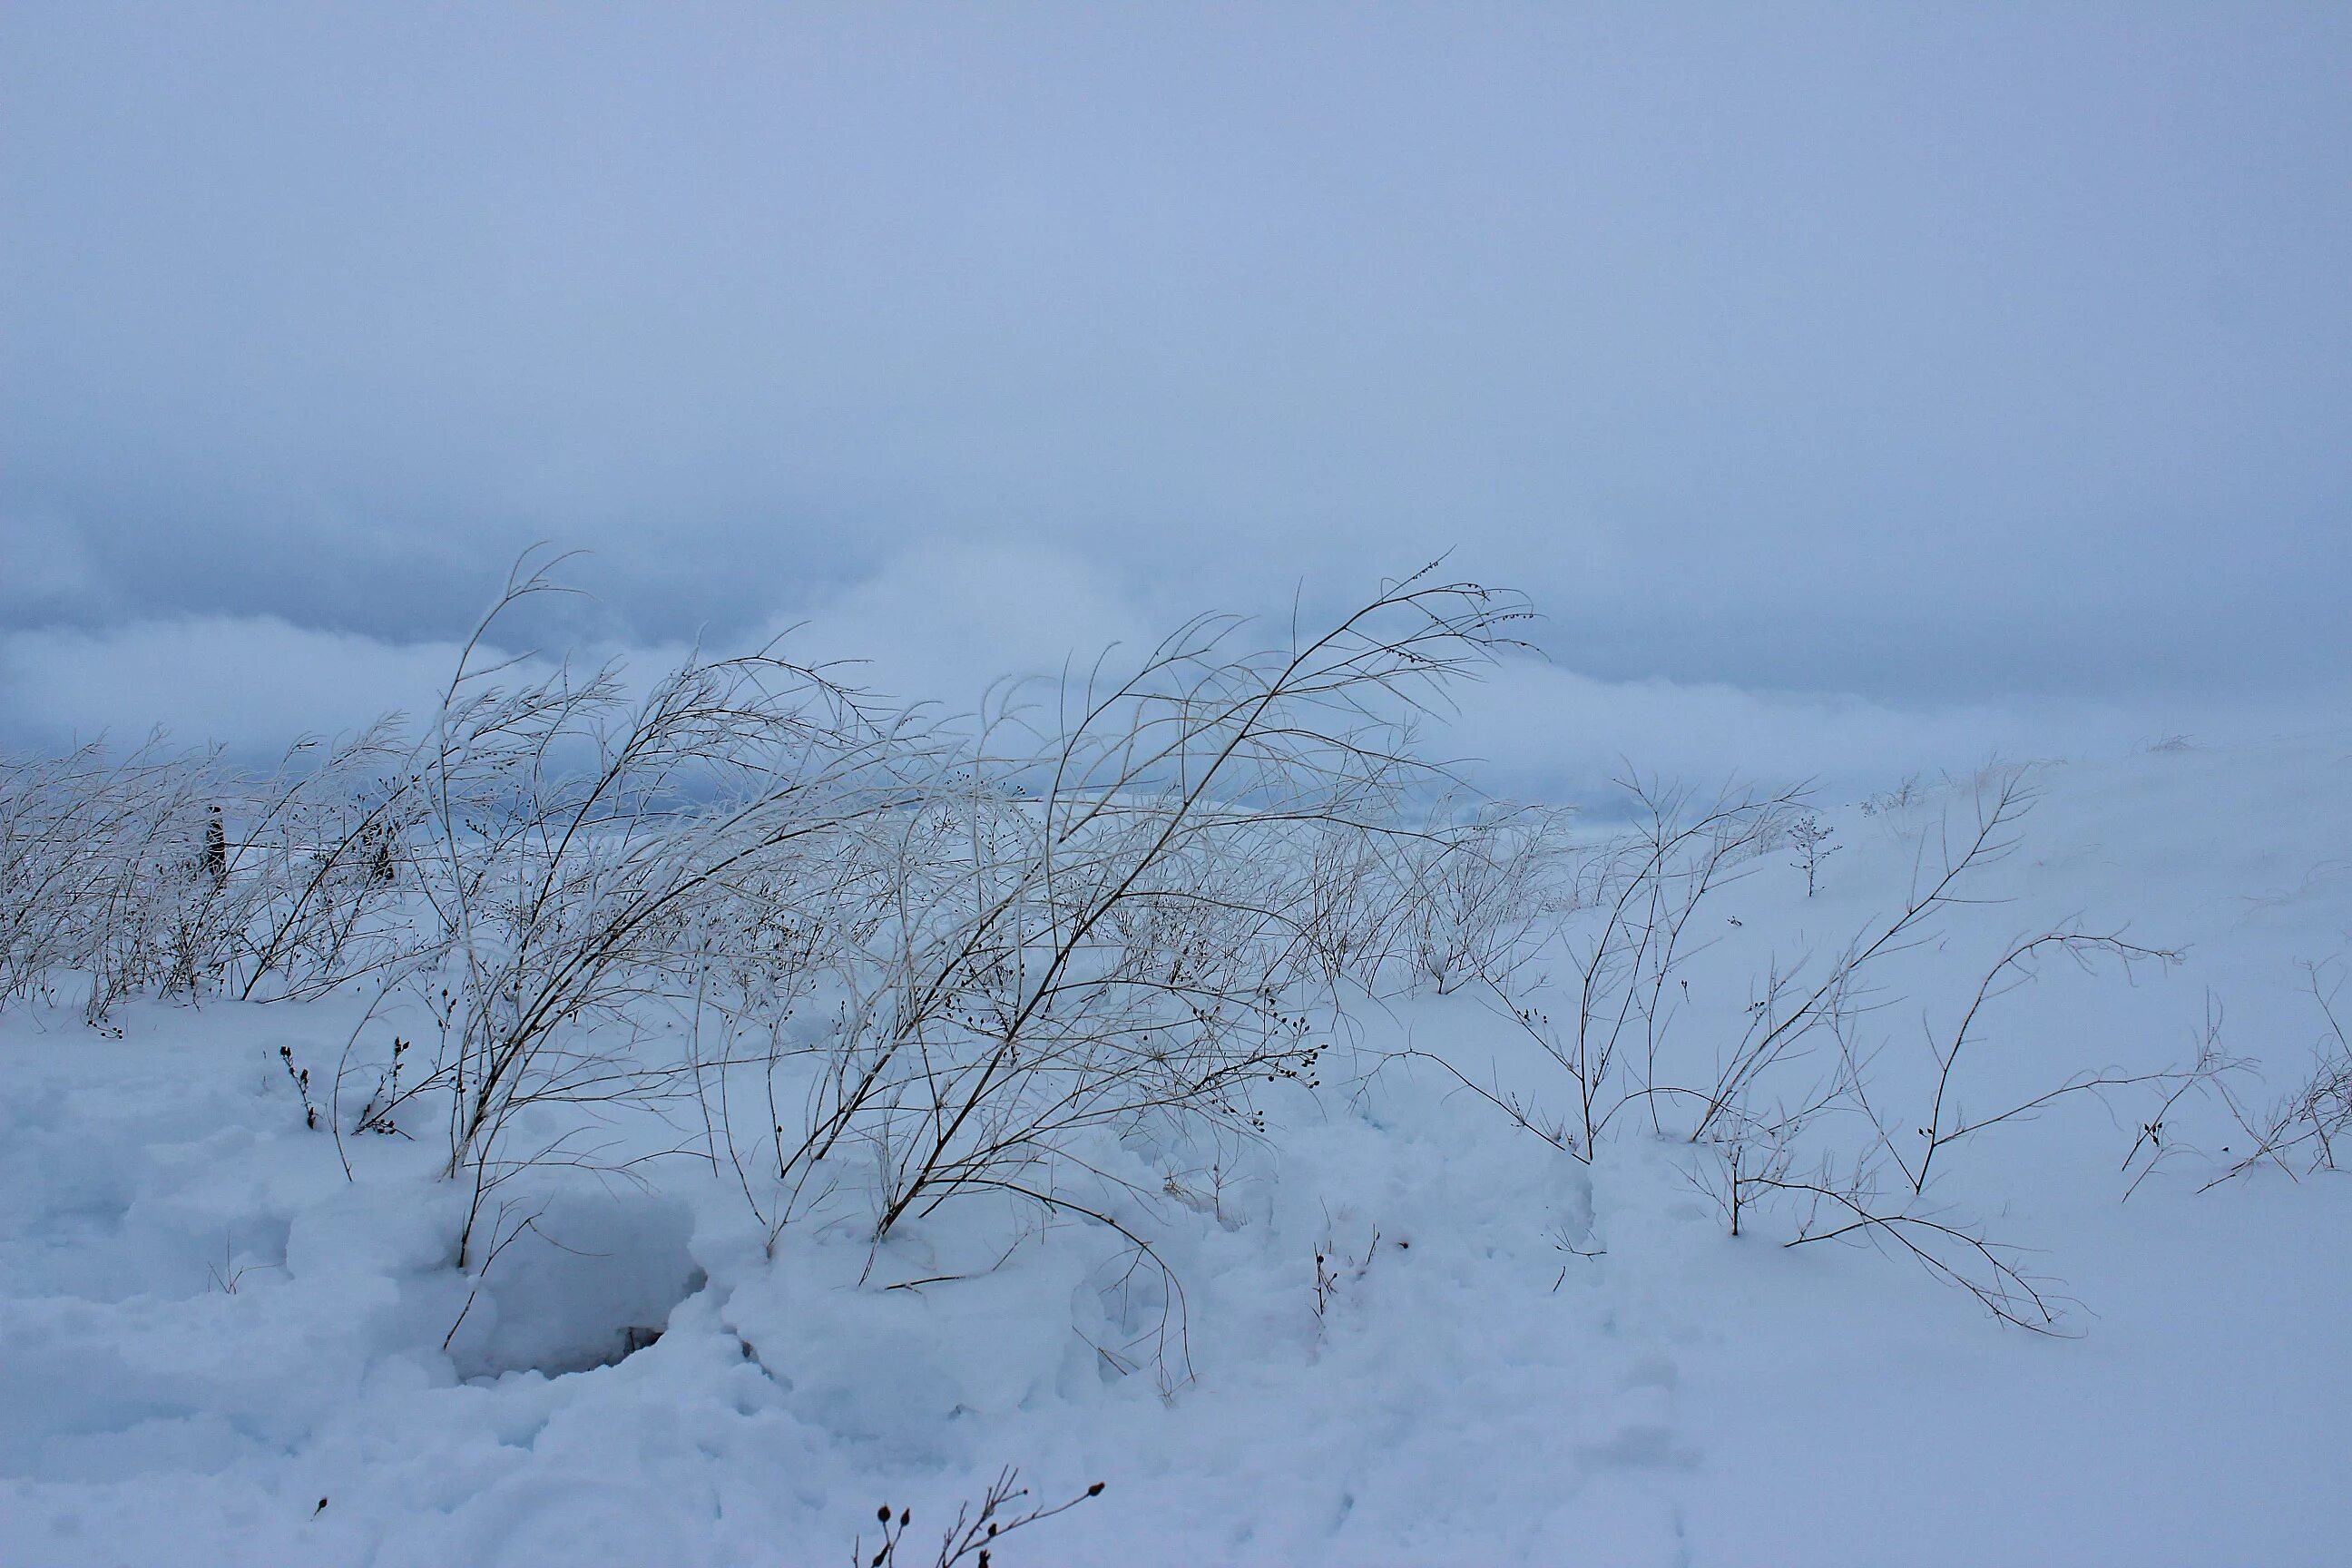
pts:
[1903, 361]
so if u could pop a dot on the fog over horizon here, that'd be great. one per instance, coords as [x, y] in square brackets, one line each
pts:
[1853, 389]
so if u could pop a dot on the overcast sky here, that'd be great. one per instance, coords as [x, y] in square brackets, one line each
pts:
[1861, 382]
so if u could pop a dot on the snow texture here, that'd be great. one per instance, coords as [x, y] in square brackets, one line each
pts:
[215, 1348]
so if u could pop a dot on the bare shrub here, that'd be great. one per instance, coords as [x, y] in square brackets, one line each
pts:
[2309, 1128]
[312, 892]
[1944, 1123]
[1120, 912]
[1645, 890]
[1776, 1107]
[1812, 842]
[1855, 1205]
[574, 843]
[173, 873]
[1479, 894]
[1879, 1192]
[103, 872]
[967, 953]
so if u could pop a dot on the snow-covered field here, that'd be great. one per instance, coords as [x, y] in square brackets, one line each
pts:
[1405, 1331]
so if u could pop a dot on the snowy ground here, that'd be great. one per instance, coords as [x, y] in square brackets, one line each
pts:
[215, 1348]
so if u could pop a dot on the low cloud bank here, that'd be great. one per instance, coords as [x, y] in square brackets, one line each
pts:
[941, 624]
[252, 683]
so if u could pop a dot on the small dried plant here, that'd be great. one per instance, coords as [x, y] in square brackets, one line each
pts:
[973, 1535]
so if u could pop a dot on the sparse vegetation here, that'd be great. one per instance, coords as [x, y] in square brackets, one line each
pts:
[912, 961]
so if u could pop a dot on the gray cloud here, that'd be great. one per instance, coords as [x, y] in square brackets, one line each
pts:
[1955, 362]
